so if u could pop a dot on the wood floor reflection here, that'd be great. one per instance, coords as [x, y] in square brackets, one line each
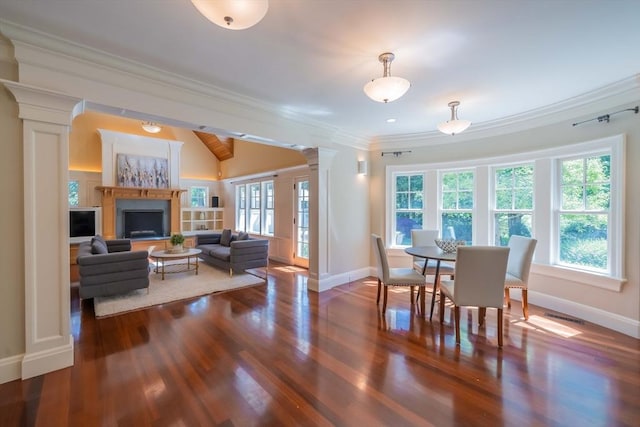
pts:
[279, 355]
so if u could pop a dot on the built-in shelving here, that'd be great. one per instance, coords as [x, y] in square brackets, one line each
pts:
[193, 220]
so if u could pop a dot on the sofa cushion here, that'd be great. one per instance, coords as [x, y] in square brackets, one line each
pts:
[99, 238]
[98, 247]
[225, 238]
[223, 253]
[243, 236]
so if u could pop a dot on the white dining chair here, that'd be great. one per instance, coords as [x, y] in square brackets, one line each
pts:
[428, 238]
[479, 282]
[518, 268]
[392, 276]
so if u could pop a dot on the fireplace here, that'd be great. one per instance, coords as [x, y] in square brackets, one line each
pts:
[142, 218]
[140, 223]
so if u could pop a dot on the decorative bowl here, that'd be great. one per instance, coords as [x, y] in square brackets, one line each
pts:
[449, 245]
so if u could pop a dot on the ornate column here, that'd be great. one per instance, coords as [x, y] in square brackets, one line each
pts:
[46, 117]
[319, 160]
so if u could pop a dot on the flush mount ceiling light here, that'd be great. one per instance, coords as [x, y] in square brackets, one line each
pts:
[453, 125]
[233, 14]
[386, 88]
[151, 127]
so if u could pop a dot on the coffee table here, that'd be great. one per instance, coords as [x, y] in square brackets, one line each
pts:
[188, 254]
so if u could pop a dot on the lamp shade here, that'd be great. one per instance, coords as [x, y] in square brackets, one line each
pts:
[151, 127]
[233, 14]
[386, 89]
[451, 127]
[454, 125]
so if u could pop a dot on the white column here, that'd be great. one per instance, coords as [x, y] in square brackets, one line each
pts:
[319, 160]
[46, 117]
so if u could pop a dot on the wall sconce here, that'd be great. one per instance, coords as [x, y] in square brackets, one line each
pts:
[363, 167]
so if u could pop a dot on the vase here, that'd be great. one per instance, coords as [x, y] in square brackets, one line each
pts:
[177, 249]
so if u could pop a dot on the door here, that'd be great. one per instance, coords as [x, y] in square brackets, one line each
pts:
[301, 222]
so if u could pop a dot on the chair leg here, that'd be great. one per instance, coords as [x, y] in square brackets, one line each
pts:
[482, 314]
[442, 297]
[411, 297]
[378, 297]
[500, 327]
[436, 286]
[421, 293]
[506, 297]
[384, 299]
[525, 305]
[457, 320]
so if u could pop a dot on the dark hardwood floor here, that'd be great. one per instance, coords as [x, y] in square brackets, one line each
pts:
[279, 355]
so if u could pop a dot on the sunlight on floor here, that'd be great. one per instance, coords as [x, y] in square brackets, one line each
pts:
[538, 322]
[289, 269]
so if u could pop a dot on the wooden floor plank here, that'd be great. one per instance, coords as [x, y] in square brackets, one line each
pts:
[277, 354]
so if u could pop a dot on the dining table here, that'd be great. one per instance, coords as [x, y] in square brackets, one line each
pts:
[436, 254]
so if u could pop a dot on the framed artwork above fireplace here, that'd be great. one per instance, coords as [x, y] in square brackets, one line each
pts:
[141, 171]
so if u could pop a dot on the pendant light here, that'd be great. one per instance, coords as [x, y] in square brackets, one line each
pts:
[233, 14]
[453, 125]
[386, 88]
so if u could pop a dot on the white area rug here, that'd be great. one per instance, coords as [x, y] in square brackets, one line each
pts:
[174, 287]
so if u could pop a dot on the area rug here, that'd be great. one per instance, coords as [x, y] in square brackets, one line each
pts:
[174, 287]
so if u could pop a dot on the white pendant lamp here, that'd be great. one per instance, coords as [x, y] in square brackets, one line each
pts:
[453, 125]
[233, 14]
[386, 88]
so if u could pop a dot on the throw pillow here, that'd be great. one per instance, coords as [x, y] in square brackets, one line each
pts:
[243, 236]
[225, 238]
[97, 247]
[99, 238]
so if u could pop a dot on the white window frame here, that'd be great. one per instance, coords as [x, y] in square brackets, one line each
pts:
[495, 210]
[424, 203]
[544, 224]
[241, 207]
[266, 199]
[206, 196]
[442, 210]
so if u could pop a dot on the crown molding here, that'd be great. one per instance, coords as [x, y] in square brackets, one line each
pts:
[34, 49]
[594, 102]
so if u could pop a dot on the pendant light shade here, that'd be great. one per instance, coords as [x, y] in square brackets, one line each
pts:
[233, 14]
[151, 127]
[386, 88]
[453, 125]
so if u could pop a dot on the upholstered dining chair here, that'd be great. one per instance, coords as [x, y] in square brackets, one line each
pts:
[479, 282]
[392, 276]
[518, 268]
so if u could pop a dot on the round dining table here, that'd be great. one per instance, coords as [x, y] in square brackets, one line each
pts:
[436, 254]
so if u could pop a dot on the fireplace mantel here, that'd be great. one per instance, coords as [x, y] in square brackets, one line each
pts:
[111, 194]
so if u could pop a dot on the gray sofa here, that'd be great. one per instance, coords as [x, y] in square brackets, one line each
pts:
[109, 267]
[233, 252]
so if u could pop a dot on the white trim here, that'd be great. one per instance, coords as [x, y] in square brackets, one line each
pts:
[329, 282]
[244, 179]
[10, 368]
[51, 359]
[598, 316]
[579, 276]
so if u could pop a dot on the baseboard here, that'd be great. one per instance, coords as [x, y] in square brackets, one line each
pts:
[594, 315]
[327, 283]
[10, 368]
[34, 364]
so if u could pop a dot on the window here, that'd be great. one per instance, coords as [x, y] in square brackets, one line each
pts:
[199, 196]
[583, 217]
[74, 193]
[241, 208]
[268, 208]
[255, 208]
[408, 206]
[513, 202]
[570, 198]
[456, 205]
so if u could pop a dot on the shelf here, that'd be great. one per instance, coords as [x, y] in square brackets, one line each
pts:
[201, 219]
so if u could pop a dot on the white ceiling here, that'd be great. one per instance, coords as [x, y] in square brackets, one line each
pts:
[498, 57]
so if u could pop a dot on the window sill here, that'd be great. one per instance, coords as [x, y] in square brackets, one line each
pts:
[592, 279]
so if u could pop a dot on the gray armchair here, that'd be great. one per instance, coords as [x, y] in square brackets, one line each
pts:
[109, 267]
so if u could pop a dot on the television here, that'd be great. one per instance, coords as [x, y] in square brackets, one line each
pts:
[84, 223]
